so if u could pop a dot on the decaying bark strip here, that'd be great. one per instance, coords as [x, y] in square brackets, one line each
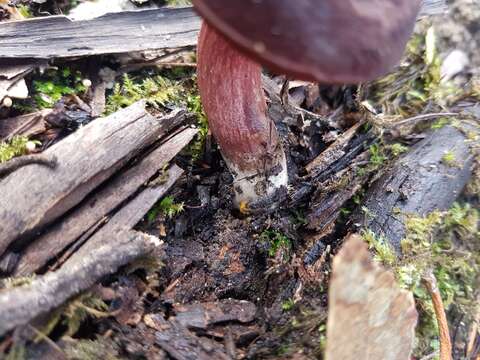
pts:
[133, 212]
[98, 205]
[22, 304]
[418, 183]
[34, 196]
[129, 31]
[23, 125]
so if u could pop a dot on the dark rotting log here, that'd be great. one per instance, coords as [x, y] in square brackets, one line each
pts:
[419, 183]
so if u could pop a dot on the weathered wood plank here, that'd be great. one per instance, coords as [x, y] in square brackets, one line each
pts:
[59, 37]
[133, 212]
[34, 196]
[98, 205]
[113, 246]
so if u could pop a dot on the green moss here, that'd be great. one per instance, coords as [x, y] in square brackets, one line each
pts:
[383, 251]
[449, 159]
[15, 147]
[447, 243]
[166, 207]
[288, 305]
[377, 155]
[176, 87]
[397, 149]
[54, 84]
[279, 245]
[194, 105]
[156, 91]
[24, 11]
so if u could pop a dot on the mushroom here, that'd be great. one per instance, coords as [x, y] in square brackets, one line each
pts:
[328, 41]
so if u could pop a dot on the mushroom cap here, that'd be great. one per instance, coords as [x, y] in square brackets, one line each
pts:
[330, 41]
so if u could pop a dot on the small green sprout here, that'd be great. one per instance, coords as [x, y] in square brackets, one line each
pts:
[166, 207]
[278, 243]
[449, 159]
[288, 305]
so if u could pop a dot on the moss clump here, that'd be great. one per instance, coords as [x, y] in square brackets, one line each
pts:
[54, 84]
[194, 105]
[167, 207]
[156, 91]
[279, 245]
[447, 243]
[176, 87]
[15, 147]
[449, 159]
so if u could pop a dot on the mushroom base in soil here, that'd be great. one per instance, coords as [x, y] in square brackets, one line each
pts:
[232, 95]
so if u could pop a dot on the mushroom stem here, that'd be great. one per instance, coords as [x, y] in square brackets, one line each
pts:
[232, 95]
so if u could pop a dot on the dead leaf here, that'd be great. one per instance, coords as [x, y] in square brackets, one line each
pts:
[370, 317]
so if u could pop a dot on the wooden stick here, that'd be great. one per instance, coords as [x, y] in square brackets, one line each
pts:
[445, 343]
[19, 162]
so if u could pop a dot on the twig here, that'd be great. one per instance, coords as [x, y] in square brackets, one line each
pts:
[16, 163]
[445, 344]
[424, 117]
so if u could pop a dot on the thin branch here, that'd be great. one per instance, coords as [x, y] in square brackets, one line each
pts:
[445, 343]
[424, 117]
[19, 162]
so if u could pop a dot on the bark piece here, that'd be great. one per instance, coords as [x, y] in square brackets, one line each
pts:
[334, 152]
[181, 344]
[34, 196]
[129, 31]
[12, 73]
[203, 315]
[21, 305]
[418, 183]
[369, 316]
[133, 212]
[99, 204]
[24, 125]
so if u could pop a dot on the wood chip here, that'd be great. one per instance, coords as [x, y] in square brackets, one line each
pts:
[369, 316]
